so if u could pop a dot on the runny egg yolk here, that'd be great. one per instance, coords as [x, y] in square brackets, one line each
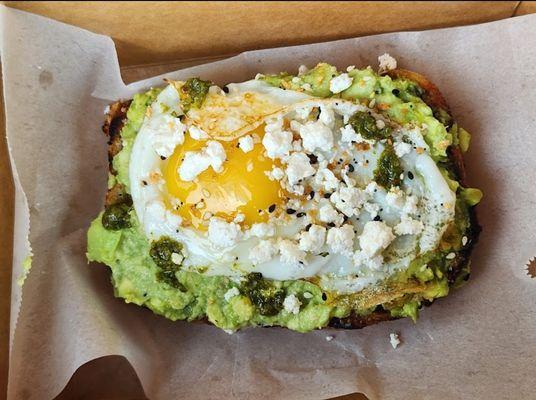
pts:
[242, 187]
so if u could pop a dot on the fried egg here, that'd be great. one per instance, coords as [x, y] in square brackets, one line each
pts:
[262, 179]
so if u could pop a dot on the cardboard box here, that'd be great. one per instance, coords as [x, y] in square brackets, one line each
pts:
[208, 31]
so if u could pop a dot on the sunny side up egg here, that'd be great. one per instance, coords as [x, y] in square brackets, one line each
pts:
[262, 179]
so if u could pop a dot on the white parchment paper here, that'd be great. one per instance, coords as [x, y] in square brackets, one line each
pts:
[478, 343]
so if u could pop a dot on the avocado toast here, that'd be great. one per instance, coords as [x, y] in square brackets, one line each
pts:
[151, 269]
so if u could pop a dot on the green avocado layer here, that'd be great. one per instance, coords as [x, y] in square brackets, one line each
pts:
[191, 295]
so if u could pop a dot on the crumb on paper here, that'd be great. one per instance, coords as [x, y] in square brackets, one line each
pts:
[394, 339]
[387, 63]
[329, 338]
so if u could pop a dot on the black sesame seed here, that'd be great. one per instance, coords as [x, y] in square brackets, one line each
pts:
[377, 218]
[351, 168]
[327, 195]
[410, 175]
[396, 92]
[162, 158]
[324, 296]
[300, 214]
[290, 211]
[331, 224]
[225, 89]
[311, 194]
[308, 227]
[271, 208]
[312, 158]
[144, 183]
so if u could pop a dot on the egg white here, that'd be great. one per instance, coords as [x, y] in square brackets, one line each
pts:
[157, 219]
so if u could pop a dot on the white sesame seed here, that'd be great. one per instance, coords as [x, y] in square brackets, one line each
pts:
[307, 295]
[402, 175]
[329, 338]
[464, 240]
[450, 256]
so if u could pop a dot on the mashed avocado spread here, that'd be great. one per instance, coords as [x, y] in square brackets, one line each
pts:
[143, 274]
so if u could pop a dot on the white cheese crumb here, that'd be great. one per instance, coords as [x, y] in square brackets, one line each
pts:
[348, 200]
[313, 239]
[329, 338]
[298, 168]
[276, 174]
[402, 148]
[341, 240]
[327, 115]
[166, 133]
[157, 216]
[264, 251]
[408, 226]
[450, 256]
[394, 339]
[326, 179]
[233, 292]
[328, 214]
[223, 233]
[277, 143]
[340, 83]
[239, 218]
[291, 253]
[372, 209]
[197, 133]
[245, 143]
[176, 258]
[395, 198]
[387, 63]
[302, 69]
[372, 187]
[349, 135]
[316, 135]
[292, 304]
[195, 162]
[376, 236]
[261, 230]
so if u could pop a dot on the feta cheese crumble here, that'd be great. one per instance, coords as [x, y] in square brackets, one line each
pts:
[291, 253]
[233, 292]
[166, 132]
[223, 233]
[264, 251]
[246, 143]
[376, 236]
[292, 304]
[341, 240]
[394, 339]
[195, 162]
[313, 239]
[340, 83]
[197, 133]
[316, 135]
[387, 63]
[298, 168]
[408, 226]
